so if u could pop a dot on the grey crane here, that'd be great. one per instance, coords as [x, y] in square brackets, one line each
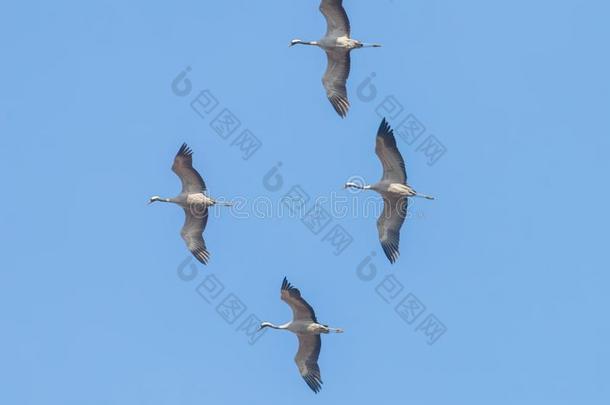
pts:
[338, 45]
[194, 200]
[393, 188]
[305, 325]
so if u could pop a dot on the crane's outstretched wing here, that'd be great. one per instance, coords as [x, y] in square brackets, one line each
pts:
[307, 360]
[337, 23]
[192, 233]
[391, 159]
[389, 223]
[335, 79]
[301, 310]
[183, 167]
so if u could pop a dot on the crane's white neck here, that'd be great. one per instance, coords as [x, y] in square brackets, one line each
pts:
[272, 326]
[157, 198]
[300, 42]
[357, 186]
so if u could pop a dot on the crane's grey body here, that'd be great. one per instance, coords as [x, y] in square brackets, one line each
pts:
[338, 45]
[194, 201]
[393, 188]
[305, 325]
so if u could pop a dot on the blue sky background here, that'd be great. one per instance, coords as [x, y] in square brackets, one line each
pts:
[511, 258]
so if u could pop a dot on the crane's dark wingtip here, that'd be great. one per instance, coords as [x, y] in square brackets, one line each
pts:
[340, 104]
[286, 285]
[385, 129]
[386, 133]
[202, 255]
[184, 150]
[391, 251]
[292, 290]
[314, 382]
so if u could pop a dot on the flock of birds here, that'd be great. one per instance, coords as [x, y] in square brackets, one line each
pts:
[392, 187]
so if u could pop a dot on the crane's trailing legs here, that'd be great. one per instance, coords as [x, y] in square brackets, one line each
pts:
[370, 45]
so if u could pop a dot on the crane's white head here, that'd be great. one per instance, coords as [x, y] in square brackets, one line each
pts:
[157, 198]
[357, 186]
[298, 41]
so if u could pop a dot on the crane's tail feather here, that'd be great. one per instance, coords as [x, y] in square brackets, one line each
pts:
[427, 197]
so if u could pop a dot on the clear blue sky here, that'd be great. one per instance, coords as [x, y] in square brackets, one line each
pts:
[511, 258]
